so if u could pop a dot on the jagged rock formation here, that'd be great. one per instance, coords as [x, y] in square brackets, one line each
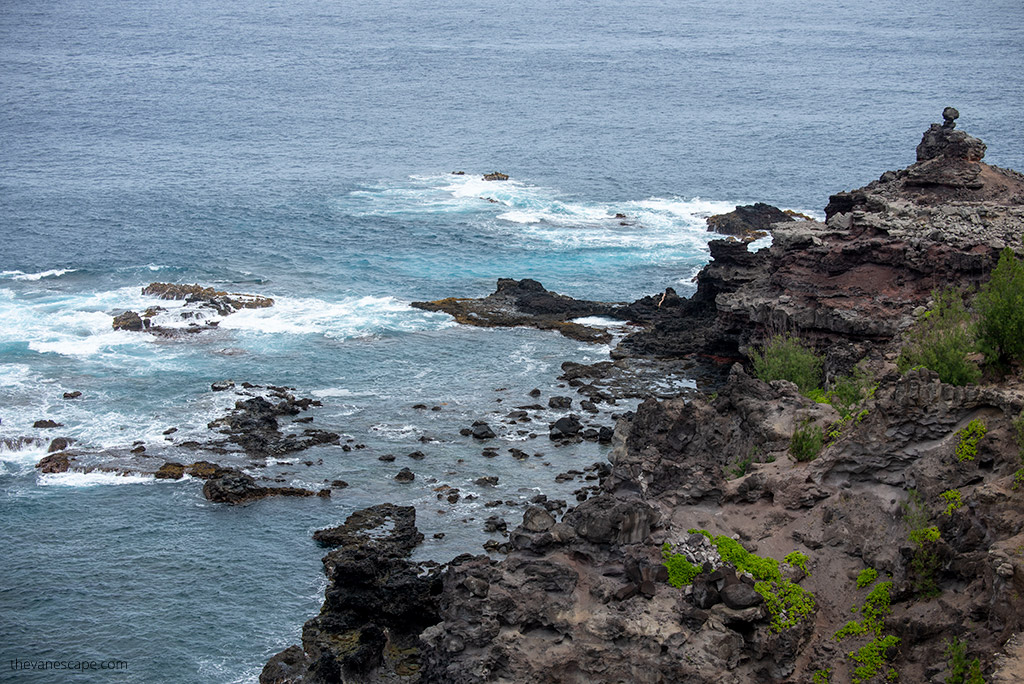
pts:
[852, 282]
[253, 425]
[376, 605]
[200, 303]
[752, 220]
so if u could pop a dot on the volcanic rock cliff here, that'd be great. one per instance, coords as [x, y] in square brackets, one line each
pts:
[869, 525]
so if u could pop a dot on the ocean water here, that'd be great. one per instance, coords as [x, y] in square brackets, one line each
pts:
[303, 151]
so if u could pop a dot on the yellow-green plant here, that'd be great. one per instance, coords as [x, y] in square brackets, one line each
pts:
[953, 500]
[967, 440]
[680, 570]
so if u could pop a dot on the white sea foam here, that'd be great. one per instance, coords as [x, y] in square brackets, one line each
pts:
[334, 392]
[52, 273]
[350, 317]
[20, 457]
[599, 322]
[93, 479]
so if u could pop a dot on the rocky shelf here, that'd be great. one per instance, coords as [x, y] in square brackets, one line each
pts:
[776, 551]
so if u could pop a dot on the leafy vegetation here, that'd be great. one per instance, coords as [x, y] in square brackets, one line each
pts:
[848, 392]
[787, 602]
[941, 340]
[1000, 306]
[785, 357]
[871, 657]
[806, 442]
[967, 440]
[962, 670]
[822, 676]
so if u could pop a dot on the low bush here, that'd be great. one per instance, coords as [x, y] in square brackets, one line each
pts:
[924, 564]
[787, 602]
[785, 357]
[806, 443]
[941, 340]
[680, 570]
[848, 392]
[866, 577]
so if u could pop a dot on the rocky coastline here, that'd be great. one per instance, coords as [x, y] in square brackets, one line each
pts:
[777, 550]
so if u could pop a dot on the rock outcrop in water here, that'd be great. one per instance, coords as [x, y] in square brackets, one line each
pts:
[200, 304]
[871, 523]
[376, 606]
[526, 303]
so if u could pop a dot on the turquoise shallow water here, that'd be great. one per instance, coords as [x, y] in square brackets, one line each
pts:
[303, 151]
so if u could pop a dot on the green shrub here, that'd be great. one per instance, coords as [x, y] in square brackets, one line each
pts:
[822, 676]
[806, 443]
[787, 602]
[849, 391]
[924, 564]
[1000, 306]
[785, 357]
[967, 440]
[962, 670]
[871, 657]
[1018, 479]
[941, 339]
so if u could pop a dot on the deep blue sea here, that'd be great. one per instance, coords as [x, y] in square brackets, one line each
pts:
[303, 150]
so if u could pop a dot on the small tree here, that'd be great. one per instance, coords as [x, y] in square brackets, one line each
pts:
[1000, 306]
[941, 339]
[785, 357]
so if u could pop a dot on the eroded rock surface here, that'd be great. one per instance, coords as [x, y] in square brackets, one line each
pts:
[584, 598]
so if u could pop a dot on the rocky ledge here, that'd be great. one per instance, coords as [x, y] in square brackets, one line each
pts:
[710, 553]
[526, 303]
